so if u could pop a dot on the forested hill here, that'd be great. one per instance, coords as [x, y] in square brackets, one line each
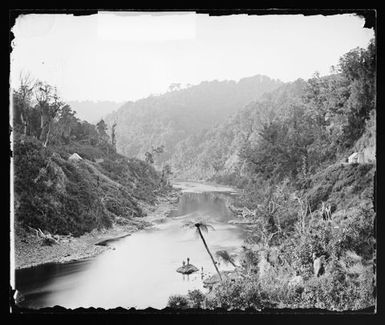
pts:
[169, 118]
[304, 159]
[296, 129]
[215, 151]
[68, 177]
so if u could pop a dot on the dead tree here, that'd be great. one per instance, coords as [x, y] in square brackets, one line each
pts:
[48, 239]
[49, 105]
[23, 95]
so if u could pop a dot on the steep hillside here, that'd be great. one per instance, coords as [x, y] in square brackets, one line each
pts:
[215, 151]
[172, 117]
[62, 195]
[68, 177]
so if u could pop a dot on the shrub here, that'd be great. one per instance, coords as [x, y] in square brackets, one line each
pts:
[178, 302]
[240, 294]
[337, 290]
[196, 298]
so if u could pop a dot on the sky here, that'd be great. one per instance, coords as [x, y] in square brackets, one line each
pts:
[127, 56]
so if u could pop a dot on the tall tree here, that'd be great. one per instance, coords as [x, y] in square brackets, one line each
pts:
[66, 123]
[101, 127]
[166, 173]
[204, 227]
[359, 67]
[49, 105]
[22, 102]
[113, 135]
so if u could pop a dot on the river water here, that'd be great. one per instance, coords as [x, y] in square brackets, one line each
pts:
[140, 270]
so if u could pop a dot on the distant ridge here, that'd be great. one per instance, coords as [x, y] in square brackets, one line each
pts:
[171, 117]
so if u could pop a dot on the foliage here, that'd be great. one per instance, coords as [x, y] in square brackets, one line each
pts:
[196, 298]
[268, 272]
[172, 117]
[72, 197]
[239, 294]
[178, 302]
[287, 154]
[225, 257]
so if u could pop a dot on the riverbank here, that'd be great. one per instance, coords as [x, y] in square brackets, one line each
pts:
[30, 252]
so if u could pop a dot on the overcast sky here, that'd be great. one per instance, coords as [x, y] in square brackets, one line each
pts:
[128, 56]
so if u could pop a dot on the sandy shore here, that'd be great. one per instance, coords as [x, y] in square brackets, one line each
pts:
[29, 250]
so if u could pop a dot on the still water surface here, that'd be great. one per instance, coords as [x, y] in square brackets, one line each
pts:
[140, 271]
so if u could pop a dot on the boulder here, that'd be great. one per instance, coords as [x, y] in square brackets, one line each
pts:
[187, 269]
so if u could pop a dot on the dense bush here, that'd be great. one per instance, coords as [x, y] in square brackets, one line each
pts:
[63, 197]
[240, 294]
[178, 302]
[196, 298]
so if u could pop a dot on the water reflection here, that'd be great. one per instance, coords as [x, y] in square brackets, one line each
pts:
[141, 271]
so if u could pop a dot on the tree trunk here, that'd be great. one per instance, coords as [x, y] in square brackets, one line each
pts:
[208, 251]
[47, 136]
[232, 263]
[24, 122]
[43, 127]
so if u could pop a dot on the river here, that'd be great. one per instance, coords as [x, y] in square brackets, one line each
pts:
[140, 270]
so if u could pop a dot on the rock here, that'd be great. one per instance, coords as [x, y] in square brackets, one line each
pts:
[187, 269]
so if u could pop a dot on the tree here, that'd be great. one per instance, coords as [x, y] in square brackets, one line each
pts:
[202, 226]
[359, 68]
[49, 105]
[174, 86]
[101, 127]
[150, 155]
[113, 135]
[158, 150]
[226, 257]
[66, 123]
[166, 173]
[216, 161]
[86, 133]
[22, 100]
[149, 159]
